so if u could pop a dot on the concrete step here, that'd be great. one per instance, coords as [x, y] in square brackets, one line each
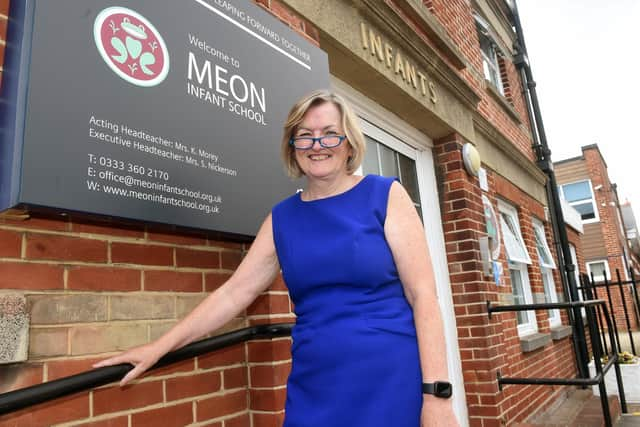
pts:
[580, 409]
[628, 421]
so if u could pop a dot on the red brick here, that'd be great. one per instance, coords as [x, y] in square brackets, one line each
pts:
[178, 238]
[269, 375]
[176, 281]
[110, 229]
[30, 276]
[10, 244]
[56, 411]
[268, 351]
[214, 280]
[235, 378]
[230, 260]
[268, 400]
[62, 248]
[35, 222]
[218, 406]
[180, 367]
[225, 244]
[193, 385]
[15, 376]
[103, 279]
[122, 421]
[286, 15]
[267, 419]
[63, 368]
[269, 304]
[197, 259]
[114, 399]
[240, 421]
[278, 284]
[219, 358]
[128, 253]
[168, 416]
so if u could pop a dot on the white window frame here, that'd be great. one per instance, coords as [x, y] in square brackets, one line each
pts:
[550, 292]
[530, 326]
[510, 211]
[606, 268]
[489, 61]
[593, 200]
[541, 237]
[546, 271]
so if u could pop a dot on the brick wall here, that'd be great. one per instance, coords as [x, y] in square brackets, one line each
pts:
[457, 19]
[491, 345]
[614, 240]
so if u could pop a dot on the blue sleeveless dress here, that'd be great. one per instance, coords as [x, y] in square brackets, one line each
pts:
[355, 353]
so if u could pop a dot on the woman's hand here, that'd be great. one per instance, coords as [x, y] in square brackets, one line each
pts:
[142, 358]
[437, 412]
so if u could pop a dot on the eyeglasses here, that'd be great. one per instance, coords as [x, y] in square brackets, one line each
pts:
[307, 142]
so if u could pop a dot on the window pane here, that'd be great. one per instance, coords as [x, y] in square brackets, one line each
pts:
[599, 270]
[585, 210]
[518, 294]
[576, 191]
[409, 177]
[514, 248]
[388, 161]
[544, 254]
[370, 161]
[549, 292]
[542, 251]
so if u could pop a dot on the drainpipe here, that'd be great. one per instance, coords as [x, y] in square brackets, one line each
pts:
[543, 160]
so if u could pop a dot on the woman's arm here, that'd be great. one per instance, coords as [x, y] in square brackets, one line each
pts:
[255, 273]
[406, 237]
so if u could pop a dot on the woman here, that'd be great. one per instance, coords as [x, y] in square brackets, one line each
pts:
[354, 257]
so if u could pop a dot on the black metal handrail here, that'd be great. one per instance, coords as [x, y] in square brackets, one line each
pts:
[29, 396]
[596, 345]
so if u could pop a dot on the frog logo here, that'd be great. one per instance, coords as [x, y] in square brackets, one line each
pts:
[131, 46]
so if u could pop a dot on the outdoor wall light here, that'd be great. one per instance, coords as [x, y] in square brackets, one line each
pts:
[471, 159]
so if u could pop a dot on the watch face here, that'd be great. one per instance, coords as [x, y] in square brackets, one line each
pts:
[442, 389]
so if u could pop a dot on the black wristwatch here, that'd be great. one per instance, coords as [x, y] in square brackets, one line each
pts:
[441, 389]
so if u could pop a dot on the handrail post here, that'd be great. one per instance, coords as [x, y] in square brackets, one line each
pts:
[626, 312]
[597, 361]
[616, 366]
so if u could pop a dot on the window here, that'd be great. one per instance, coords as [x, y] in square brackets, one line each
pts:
[517, 258]
[546, 269]
[521, 290]
[579, 195]
[381, 160]
[513, 242]
[544, 254]
[490, 54]
[599, 270]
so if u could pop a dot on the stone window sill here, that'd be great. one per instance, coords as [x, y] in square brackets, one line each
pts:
[561, 331]
[506, 106]
[533, 342]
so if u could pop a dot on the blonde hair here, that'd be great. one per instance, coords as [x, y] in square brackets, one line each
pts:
[349, 125]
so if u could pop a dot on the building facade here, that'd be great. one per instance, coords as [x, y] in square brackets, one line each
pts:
[585, 185]
[425, 78]
[633, 237]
